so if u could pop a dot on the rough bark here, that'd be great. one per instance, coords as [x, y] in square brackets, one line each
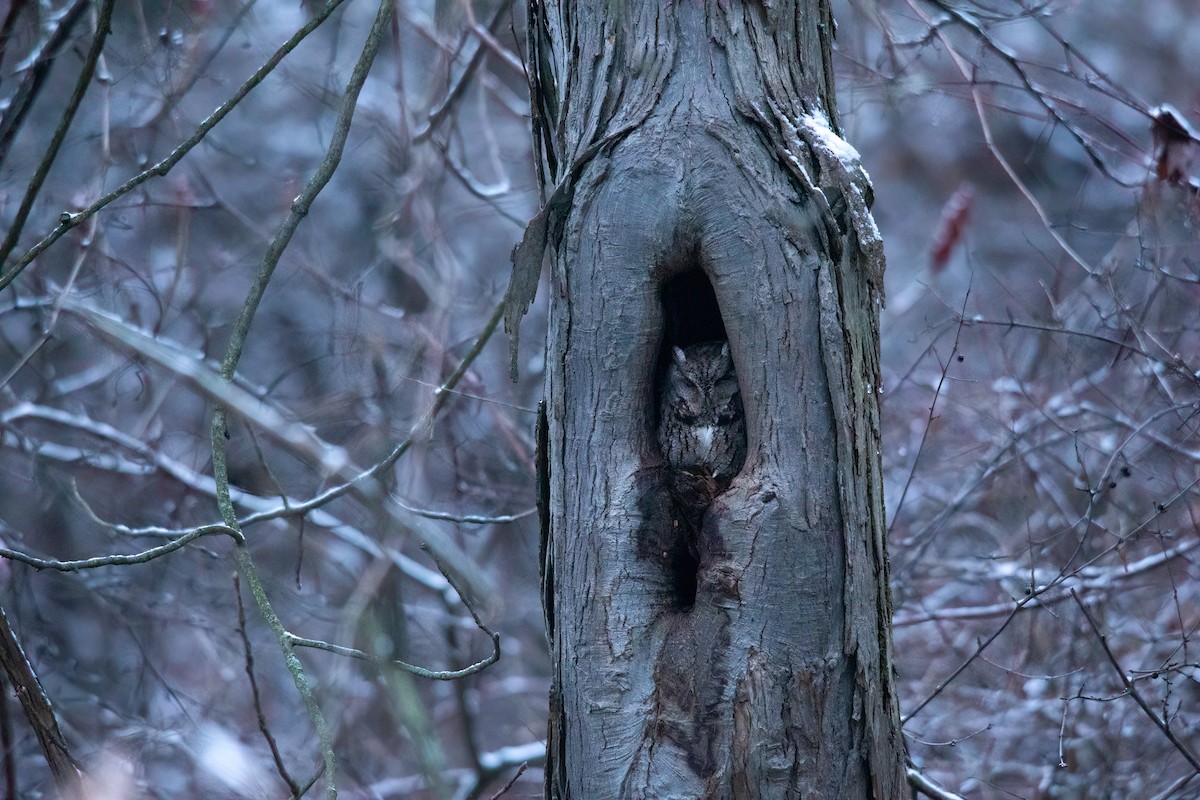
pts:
[697, 188]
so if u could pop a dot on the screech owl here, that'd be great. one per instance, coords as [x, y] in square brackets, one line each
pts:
[701, 429]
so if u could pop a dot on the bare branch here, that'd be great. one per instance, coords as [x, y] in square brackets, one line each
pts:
[506, 56]
[123, 560]
[466, 519]
[420, 672]
[443, 109]
[1131, 689]
[1175, 787]
[233, 353]
[6, 737]
[1084, 579]
[439, 675]
[511, 781]
[925, 785]
[37, 69]
[983, 645]
[968, 76]
[68, 220]
[294, 436]
[196, 482]
[1033, 90]
[280, 767]
[86, 73]
[440, 395]
[937, 391]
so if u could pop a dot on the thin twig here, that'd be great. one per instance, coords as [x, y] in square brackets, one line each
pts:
[205, 485]
[213, 386]
[69, 221]
[197, 70]
[986, 127]
[280, 767]
[10, 23]
[233, 353]
[1094, 336]
[437, 675]
[86, 73]
[1034, 595]
[1086, 577]
[36, 73]
[1037, 93]
[1177, 786]
[1132, 691]
[456, 91]
[465, 519]
[492, 764]
[420, 672]
[123, 560]
[937, 393]
[511, 781]
[81, 256]
[440, 395]
[506, 56]
[937, 690]
[925, 785]
[316, 776]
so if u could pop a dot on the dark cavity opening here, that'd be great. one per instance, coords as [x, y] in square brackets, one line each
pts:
[690, 311]
[685, 568]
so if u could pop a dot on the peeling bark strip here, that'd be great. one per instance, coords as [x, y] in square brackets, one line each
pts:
[699, 190]
[38, 711]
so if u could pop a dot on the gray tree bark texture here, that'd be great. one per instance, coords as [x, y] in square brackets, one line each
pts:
[697, 189]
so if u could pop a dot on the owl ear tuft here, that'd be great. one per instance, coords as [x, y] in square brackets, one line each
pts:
[680, 358]
[725, 351]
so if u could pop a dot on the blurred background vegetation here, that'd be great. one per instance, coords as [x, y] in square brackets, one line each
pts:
[1040, 395]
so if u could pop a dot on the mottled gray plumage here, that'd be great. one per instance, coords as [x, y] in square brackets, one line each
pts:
[701, 429]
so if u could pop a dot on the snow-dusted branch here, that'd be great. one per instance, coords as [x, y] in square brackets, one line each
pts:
[122, 560]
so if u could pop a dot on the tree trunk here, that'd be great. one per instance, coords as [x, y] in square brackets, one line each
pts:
[698, 190]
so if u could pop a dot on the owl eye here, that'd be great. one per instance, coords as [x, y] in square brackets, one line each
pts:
[732, 414]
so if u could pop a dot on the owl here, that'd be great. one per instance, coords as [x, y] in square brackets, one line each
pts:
[701, 429]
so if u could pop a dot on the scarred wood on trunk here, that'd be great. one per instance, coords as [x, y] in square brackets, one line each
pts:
[697, 189]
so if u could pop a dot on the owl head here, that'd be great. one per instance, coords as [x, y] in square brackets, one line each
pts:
[703, 385]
